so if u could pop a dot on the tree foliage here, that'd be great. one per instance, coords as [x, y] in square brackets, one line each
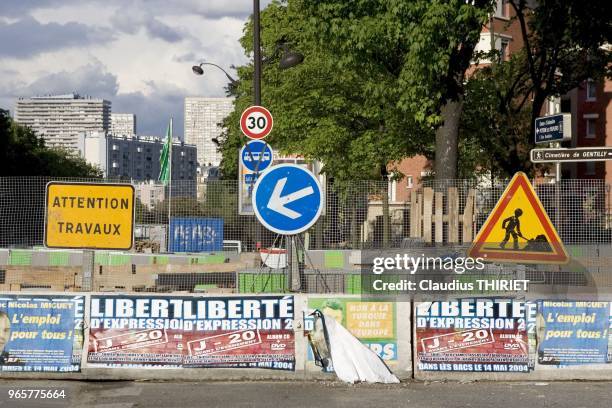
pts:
[563, 47]
[320, 110]
[23, 153]
[564, 42]
[494, 127]
[387, 79]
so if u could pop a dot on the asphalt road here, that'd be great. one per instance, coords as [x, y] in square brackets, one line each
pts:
[148, 394]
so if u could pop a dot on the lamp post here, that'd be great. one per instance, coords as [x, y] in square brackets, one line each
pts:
[288, 59]
[197, 69]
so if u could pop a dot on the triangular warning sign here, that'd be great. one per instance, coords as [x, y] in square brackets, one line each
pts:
[518, 229]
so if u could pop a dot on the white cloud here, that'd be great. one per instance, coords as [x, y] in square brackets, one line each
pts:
[141, 60]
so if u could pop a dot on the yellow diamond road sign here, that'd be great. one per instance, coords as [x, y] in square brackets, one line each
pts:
[89, 216]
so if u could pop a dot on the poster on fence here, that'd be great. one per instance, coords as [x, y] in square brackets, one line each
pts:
[479, 335]
[175, 332]
[610, 336]
[573, 332]
[371, 322]
[41, 333]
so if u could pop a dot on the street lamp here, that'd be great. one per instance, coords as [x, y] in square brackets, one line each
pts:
[197, 69]
[290, 58]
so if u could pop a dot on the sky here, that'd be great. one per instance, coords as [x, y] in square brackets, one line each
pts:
[136, 53]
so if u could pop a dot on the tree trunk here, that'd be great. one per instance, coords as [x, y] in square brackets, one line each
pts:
[447, 141]
[539, 99]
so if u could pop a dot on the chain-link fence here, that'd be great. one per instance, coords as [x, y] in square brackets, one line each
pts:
[579, 209]
[353, 215]
[246, 258]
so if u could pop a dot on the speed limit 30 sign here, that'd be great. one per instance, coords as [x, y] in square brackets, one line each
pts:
[256, 122]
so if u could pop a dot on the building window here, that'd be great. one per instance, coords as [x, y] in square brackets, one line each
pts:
[590, 169]
[591, 90]
[392, 192]
[504, 50]
[590, 128]
[502, 9]
[409, 182]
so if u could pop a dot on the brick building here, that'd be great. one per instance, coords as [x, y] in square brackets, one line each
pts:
[589, 105]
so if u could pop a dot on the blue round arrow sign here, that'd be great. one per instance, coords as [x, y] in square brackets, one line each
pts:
[256, 155]
[287, 199]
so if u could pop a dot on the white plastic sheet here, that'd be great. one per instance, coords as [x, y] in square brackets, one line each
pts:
[352, 360]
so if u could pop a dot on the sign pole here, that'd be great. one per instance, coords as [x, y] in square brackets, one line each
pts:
[169, 187]
[87, 270]
[293, 264]
[557, 186]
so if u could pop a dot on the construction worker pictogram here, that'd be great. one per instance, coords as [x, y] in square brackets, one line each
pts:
[512, 225]
[518, 229]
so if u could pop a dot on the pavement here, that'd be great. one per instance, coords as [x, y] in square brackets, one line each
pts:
[278, 394]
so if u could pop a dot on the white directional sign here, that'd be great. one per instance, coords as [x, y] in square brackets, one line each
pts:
[287, 199]
[579, 154]
[256, 122]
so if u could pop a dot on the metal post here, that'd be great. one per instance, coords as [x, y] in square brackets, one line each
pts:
[293, 264]
[257, 84]
[87, 270]
[557, 187]
[288, 276]
[256, 55]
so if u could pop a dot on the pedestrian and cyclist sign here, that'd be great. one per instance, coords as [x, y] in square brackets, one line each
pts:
[256, 122]
[89, 216]
[518, 229]
[287, 199]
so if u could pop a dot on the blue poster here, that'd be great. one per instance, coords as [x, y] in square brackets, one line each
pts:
[196, 234]
[573, 332]
[38, 334]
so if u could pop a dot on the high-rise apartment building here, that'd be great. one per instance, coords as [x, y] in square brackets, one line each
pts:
[202, 119]
[60, 119]
[123, 124]
[137, 158]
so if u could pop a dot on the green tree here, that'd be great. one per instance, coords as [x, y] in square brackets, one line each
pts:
[23, 153]
[495, 127]
[325, 108]
[564, 45]
[423, 48]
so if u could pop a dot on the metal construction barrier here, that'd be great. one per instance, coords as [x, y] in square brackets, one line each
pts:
[205, 288]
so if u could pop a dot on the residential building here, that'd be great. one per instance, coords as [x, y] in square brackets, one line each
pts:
[61, 119]
[123, 124]
[150, 193]
[137, 159]
[501, 33]
[589, 105]
[203, 117]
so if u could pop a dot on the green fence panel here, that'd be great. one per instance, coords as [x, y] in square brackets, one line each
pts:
[20, 257]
